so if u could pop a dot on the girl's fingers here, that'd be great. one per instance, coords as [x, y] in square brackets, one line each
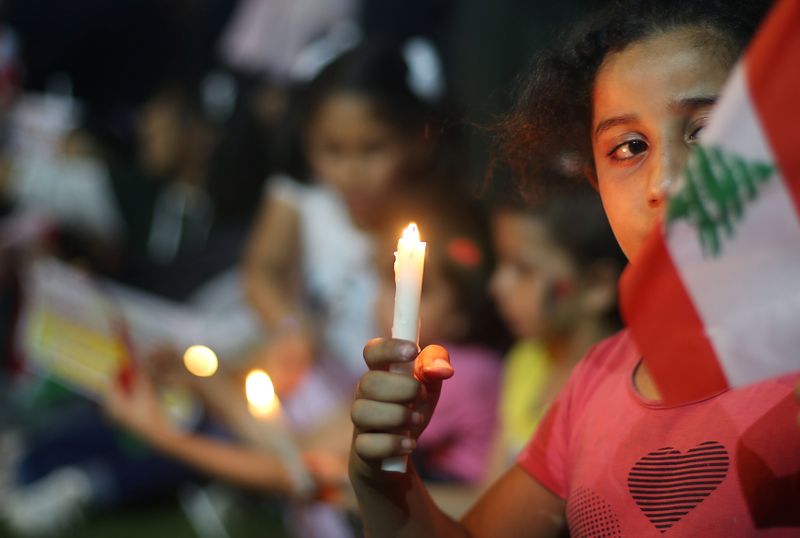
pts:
[433, 365]
[369, 415]
[379, 412]
[372, 446]
[387, 387]
[380, 353]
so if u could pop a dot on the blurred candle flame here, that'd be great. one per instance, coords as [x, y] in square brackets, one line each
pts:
[411, 232]
[200, 361]
[261, 398]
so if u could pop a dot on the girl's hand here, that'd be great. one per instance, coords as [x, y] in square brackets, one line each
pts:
[164, 364]
[139, 410]
[388, 405]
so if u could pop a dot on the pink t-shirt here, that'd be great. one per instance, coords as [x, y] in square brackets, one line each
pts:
[724, 466]
[456, 443]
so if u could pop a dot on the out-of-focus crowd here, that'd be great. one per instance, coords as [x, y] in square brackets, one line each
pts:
[195, 194]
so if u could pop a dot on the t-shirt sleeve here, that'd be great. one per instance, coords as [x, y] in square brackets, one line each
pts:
[545, 456]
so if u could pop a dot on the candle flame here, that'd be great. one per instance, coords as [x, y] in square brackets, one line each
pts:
[260, 393]
[200, 361]
[411, 232]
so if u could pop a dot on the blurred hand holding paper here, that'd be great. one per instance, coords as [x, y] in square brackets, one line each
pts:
[68, 329]
[713, 299]
[82, 331]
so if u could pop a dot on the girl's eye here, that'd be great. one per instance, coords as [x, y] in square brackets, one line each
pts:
[332, 149]
[373, 148]
[628, 150]
[525, 269]
[694, 131]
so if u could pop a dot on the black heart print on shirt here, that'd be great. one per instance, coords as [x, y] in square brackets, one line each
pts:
[668, 484]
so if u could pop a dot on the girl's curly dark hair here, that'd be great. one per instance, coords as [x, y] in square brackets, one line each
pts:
[547, 133]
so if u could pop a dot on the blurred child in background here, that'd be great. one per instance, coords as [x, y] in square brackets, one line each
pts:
[555, 286]
[309, 264]
[188, 199]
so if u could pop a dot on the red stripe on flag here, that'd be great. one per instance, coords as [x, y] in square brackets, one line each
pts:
[772, 67]
[680, 359]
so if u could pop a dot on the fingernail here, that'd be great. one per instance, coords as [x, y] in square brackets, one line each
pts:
[416, 418]
[408, 351]
[407, 444]
[441, 363]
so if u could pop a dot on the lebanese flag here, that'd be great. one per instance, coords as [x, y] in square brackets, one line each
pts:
[713, 299]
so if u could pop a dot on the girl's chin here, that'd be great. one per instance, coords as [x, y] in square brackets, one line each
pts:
[362, 215]
[634, 247]
[522, 332]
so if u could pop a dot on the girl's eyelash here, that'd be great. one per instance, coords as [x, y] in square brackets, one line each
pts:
[696, 127]
[618, 146]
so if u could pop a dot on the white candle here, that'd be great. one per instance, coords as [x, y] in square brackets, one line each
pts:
[409, 263]
[265, 406]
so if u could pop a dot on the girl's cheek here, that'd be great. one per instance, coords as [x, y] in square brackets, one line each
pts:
[385, 173]
[501, 284]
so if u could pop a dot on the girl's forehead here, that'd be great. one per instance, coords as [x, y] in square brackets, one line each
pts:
[657, 70]
[346, 105]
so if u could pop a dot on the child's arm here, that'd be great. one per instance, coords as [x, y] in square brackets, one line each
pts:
[139, 410]
[394, 504]
[222, 394]
[454, 499]
[235, 463]
[272, 286]
[271, 262]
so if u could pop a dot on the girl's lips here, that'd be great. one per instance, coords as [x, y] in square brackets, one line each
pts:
[514, 325]
[360, 206]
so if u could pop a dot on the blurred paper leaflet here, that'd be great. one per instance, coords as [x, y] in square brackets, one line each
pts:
[68, 328]
[75, 327]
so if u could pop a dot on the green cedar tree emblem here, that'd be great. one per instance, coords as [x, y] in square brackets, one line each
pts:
[717, 187]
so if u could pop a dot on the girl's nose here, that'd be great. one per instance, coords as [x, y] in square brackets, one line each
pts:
[352, 172]
[657, 193]
[500, 282]
[668, 175]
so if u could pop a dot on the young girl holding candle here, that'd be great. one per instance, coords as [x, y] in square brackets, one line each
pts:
[637, 88]
[309, 264]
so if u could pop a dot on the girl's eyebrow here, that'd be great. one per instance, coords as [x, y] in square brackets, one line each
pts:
[680, 104]
[692, 103]
[608, 123]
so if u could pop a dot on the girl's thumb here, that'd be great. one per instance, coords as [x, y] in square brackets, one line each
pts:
[433, 365]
